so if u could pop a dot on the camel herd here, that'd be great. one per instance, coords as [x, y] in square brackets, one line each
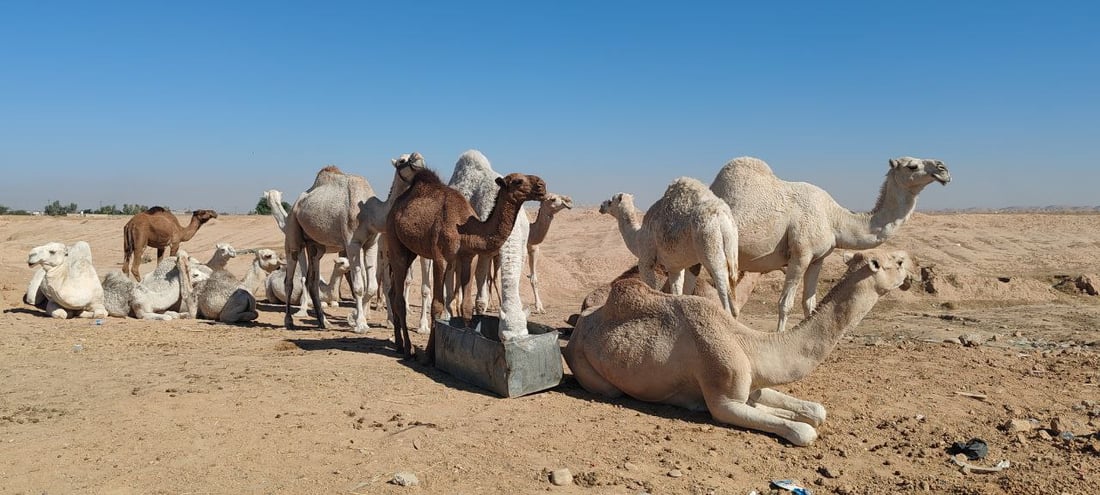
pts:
[634, 336]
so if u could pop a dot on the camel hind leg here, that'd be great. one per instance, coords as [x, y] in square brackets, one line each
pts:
[313, 275]
[715, 241]
[399, 259]
[809, 286]
[588, 377]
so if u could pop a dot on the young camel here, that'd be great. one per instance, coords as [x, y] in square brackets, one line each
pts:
[550, 206]
[796, 224]
[687, 352]
[687, 226]
[436, 222]
[228, 300]
[159, 295]
[341, 211]
[69, 281]
[158, 228]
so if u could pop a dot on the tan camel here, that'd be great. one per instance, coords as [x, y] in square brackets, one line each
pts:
[341, 212]
[550, 206]
[436, 222]
[69, 280]
[796, 224]
[158, 228]
[688, 225]
[686, 351]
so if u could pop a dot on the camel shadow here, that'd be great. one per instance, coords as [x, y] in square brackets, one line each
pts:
[25, 311]
[360, 344]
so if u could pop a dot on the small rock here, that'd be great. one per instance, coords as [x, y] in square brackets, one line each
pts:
[925, 486]
[561, 477]
[972, 340]
[829, 472]
[405, 479]
[629, 466]
[675, 473]
[952, 340]
[1065, 425]
[1043, 435]
[1017, 333]
[1017, 426]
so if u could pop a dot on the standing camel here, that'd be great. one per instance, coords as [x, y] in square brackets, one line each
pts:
[341, 212]
[550, 206]
[796, 224]
[436, 222]
[158, 228]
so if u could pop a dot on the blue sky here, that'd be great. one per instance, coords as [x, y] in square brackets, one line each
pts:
[207, 104]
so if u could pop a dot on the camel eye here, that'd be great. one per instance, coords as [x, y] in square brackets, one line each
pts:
[912, 166]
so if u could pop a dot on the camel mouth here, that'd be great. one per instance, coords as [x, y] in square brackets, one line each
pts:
[909, 281]
[943, 178]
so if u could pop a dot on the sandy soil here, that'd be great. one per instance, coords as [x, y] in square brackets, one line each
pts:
[195, 407]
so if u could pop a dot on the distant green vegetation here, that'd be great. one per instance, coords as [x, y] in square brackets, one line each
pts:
[4, 210]
[262, 208]
[57, 209]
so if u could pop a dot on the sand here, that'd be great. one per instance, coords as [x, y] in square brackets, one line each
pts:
[195, 407]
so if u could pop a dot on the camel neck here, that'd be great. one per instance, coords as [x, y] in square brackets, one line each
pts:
[867, 230]
[785, 357]
[192, 227]
[254, 277]
[489, 236]
[276, 203]
[630, 224]
[397, 188]
[541, 226]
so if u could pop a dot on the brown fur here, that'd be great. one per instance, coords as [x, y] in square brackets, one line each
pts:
[158, 228]
[436, 222]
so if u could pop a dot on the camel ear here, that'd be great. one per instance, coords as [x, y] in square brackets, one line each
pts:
[847, 257]
[617, 197]
[894, 163]
[874, 264]
[393, 161]
[500, 181]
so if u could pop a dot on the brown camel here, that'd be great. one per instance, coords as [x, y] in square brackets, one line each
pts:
[158, 228]
[436, 222]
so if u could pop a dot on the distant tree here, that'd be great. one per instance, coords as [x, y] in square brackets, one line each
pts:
[19, 212]
[263, 208]
[128, 209]
[4, 210]
[108, 210]
[56, 209]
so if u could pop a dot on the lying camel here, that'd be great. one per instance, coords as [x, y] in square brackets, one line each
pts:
[226, 299]
[158, 296]
[69, 280]
[689, 352]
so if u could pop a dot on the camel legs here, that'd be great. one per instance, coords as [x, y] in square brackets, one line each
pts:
[425, 295]
[55, 310]
[809, 287]
[313, 275]
[361, 254]
[532, 261]
[795, 268]
[729, 410]
[160, 253]
[788, 407]
[484, 266]
[588, 377]
[746, 282]
[466, 282]
[676, 282]
[400, 258]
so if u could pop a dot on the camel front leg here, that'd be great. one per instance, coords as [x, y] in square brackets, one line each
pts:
[55, 310]
[313, 285]
[746, 282]
[160, 253]
[466, 282]
[425, 296]
[647, 268]
[450, 293]
[357, 258]
[292, 255]
[809, 287]
[484, 266]
[399, 258]
[676, 282]
[799, 410]
[739, 413]
[532, 261]
[795, 268]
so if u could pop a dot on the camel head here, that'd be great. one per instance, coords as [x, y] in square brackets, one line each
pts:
[47, 255]
[341, 265]
[521, 187]
[267, 259]
[556, 202]
[915, 173]
[224, 250]
[408, 164]
[204, 216]
[889, 269]
[273, 196]
[617, 204]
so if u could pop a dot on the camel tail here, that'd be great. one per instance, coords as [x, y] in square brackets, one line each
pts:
[127, 242]
[729, 246]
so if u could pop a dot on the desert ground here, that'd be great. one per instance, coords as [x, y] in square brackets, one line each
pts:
[191, 406]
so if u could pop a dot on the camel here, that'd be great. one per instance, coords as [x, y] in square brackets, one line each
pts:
[687, 351]
[550, 206]
[223, 252]
[228, 300]
[796, 224]
[436, 222]
[476, 180]
[275, 287]
[341, 211]
[158, 228]
[159, 296]
[69, 280]
[686, 226]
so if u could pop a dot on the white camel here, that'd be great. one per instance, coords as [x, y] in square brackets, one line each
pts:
[69, 280]
[475, 179]
[340, 211]
[275, 288]
[688, 225]
[229, 300]
[687, 351]
[159, 294]
[796, 224]
[223, 252]
[539, 228]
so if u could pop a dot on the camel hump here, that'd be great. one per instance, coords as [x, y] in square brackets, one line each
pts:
[156, 209]
[748, 165]
[426, 176]
[630, 297]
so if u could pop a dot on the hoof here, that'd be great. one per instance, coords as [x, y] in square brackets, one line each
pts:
[801, 434]
[422, 356]
[360, 328]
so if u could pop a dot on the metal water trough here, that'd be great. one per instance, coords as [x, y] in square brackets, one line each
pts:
[521, 366]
